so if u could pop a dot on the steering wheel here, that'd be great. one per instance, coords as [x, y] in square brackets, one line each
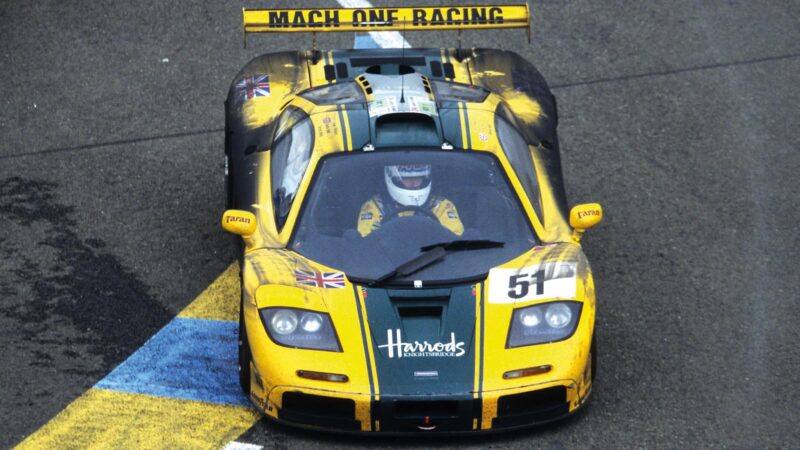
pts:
[396, 213]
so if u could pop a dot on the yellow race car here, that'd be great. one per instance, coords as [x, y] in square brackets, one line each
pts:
[408, 260]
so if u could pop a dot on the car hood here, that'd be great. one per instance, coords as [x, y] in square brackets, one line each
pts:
[427, 341]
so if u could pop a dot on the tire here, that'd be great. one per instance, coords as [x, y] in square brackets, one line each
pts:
[244, 352]
[593, 350]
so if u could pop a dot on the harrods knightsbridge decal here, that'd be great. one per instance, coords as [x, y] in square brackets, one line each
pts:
[397, 348]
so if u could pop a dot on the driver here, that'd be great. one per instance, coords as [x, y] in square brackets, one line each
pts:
[408, 187]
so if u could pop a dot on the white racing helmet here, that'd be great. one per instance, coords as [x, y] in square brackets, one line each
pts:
[409, 184]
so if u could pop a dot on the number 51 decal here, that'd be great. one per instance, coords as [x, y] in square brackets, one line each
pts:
[548, 280]
[519, 285]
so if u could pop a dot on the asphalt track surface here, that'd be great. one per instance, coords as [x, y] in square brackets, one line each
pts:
[681, 118]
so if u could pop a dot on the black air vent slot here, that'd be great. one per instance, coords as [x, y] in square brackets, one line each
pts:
[330, 73]
[317, 410]
[390, 69]
[428, 299]
[408, 61]
[341, 70]
[531, 407]
[419, 311]
[449, 70]
[436, 69]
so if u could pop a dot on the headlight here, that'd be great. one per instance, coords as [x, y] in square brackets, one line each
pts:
[315, 330]
[530, 317]
[284, 321]
[546, 322]
[558, 315]
[312, 322]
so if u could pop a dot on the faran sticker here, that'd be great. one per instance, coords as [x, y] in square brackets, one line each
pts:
[548, 280]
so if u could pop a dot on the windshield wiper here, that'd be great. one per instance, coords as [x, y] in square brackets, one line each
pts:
[465, 244]
[432, 254]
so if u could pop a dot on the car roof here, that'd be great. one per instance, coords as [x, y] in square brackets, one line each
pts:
[512, 90]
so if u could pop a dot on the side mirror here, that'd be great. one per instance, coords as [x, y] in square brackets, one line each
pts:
[584, 216]
[239, 222]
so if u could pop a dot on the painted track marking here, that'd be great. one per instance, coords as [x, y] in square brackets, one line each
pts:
[179, 390]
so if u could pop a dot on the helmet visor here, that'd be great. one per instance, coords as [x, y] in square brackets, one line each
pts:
[410, 176]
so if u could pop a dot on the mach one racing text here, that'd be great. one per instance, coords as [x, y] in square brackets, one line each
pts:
[381, 17]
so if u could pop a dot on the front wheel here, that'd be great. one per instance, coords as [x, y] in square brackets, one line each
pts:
[244, 351]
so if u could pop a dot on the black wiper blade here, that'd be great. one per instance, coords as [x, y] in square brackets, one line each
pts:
[465, 244]
[419, 262]
[434, 253]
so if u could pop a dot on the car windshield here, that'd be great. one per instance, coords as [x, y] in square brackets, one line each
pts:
[369, 213]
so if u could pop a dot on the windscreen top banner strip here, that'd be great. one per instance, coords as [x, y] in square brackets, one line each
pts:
[385, 19]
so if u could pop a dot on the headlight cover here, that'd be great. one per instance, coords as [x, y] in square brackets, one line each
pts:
[335, 94]
[457, 92]
[542, 323]
[300, 328]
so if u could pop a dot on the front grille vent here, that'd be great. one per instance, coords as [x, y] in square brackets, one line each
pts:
[531, 407]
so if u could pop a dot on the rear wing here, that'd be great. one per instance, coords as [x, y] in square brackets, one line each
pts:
[385, 19]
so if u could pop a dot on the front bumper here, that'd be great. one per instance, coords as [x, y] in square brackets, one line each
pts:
[455, 413]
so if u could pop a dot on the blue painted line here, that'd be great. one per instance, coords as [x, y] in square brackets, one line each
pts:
[364, 41]
[190, 359]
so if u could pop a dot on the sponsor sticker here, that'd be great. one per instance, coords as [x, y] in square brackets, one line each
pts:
[261, 403]
[383, 106]
[398, 348]
[547, 280]
[327, 127]
[426, 373]
[421, 105]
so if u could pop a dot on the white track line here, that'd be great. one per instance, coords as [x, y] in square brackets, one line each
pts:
[384, 39]
[233, 445]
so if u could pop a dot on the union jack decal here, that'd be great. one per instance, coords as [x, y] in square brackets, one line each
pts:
[249, 87]
[334, 280]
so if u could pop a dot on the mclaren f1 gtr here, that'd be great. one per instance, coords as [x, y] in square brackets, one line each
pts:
[408, 260]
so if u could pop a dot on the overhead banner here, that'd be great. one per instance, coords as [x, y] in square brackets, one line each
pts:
[385, 19]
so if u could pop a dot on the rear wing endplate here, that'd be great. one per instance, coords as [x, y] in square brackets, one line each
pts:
[386, 19]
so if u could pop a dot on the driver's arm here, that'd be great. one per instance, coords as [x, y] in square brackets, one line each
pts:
[446, 212]
[369, 217]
